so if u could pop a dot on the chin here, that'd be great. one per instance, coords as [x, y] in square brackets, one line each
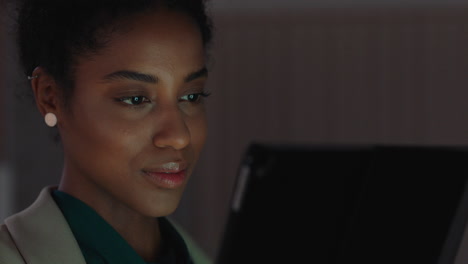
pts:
[160, 206]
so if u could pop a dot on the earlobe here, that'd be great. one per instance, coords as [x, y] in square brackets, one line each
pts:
[46, 93]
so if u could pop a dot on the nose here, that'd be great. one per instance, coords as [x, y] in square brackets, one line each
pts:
[171, 129]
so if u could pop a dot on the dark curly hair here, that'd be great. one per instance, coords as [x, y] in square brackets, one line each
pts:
[53, 33]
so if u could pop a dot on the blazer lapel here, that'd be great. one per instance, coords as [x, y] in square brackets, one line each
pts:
[42, 234]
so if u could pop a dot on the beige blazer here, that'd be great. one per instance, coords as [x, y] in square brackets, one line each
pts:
[40, 234]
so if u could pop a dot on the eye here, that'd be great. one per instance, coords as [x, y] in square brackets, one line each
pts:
[134, 100]
[194, 98]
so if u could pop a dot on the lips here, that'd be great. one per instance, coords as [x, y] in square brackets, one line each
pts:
[169, 175]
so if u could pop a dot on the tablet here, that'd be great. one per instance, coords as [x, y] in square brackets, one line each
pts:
[346, 204]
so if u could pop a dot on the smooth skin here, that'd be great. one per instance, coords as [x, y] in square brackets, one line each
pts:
[117, 126]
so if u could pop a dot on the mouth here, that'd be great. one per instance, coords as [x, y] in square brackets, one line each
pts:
[169, 175]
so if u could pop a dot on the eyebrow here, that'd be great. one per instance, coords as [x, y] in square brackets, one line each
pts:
[148, 78]
[197, 74]
[131, 75]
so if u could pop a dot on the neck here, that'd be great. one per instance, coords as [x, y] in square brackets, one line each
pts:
[141, 232]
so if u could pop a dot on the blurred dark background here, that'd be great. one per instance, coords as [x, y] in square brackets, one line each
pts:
[312, 72]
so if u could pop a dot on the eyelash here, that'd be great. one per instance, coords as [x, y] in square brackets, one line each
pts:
[198, 97]
[143, 99]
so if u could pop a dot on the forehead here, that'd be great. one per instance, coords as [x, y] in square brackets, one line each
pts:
[163, 39]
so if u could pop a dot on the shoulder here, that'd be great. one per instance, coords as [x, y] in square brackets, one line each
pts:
[38, 234]
[9, 253]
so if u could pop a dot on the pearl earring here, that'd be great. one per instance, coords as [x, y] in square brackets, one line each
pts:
[50, 119]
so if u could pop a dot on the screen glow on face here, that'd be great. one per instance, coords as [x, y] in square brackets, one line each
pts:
[138, 110]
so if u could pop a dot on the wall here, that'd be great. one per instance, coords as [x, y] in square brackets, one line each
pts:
[221, 5]
[389, 76]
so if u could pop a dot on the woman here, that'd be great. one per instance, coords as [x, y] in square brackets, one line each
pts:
[123, 82]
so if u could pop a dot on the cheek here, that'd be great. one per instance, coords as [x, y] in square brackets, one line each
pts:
[198, 131]
[99, 136]
[115, 138]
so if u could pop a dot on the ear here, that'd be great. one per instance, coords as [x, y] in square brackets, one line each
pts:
[47, 94]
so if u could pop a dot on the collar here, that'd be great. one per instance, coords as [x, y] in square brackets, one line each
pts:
[101, 243]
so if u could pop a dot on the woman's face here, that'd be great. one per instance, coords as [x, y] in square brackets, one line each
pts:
[136, 123]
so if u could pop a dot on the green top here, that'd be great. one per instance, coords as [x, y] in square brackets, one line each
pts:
[101, 243]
